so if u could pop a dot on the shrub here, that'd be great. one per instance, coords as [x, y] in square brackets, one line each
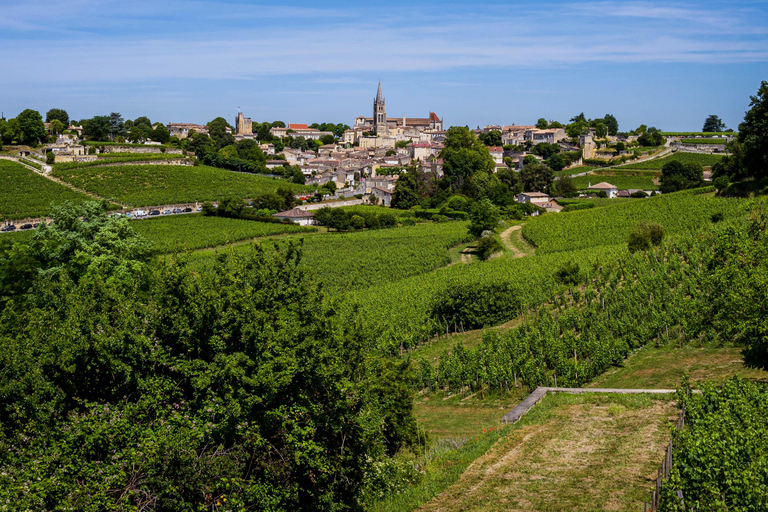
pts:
[569, 273]
[475, 305]
[487, 246]
[357, 222]
[50, 158]
[644, 235]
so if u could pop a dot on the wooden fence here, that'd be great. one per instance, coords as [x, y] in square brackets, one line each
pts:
[663, 474]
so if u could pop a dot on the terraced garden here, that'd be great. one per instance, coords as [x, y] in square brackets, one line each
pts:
[656, 164]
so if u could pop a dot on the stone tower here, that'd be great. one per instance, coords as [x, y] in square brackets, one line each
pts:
[380, 114]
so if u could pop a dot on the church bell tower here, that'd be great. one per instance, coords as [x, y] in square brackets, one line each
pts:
[380, 114]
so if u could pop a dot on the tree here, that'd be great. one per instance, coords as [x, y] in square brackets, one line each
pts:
[557, 162]
[601, 130]
[652, 137]
[542, 123]
[536, 178]
[463, 155]
[492, 138]
[406, 193]
[487, 246]
[116, 125]
[510, 178]
[731, 165]
[579, 119]
[484, 216]
[565, 186]
[217, 130]
[328, 139]
[713, 124]
[753, 135]
[611, 123]
[678, 176]
[57, 114]
[57, 127]
[31, 127]
[575, 129]
[545, 149]
[161, 134]
[97, 128]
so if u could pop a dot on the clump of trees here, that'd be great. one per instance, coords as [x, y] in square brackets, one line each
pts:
[128, 381]
[679, 176]
[342, 219]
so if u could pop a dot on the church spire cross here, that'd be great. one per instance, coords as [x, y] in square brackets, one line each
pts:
[378, 93]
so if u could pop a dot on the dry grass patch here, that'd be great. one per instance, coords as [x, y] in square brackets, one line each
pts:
[664, 367]
[570, 453]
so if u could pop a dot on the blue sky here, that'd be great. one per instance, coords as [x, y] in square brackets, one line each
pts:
[473, 63]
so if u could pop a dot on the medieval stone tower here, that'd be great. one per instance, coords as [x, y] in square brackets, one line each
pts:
[380, 114]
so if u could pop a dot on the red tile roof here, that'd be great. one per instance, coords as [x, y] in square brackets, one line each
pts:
[294, 126]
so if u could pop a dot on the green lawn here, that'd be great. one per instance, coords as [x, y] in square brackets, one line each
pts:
[656, 164]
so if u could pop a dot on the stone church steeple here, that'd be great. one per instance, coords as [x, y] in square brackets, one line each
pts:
[380, 114]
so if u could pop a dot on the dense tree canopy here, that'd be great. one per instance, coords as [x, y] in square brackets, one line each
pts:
[59, 114]
[713, 124]
[127, 381]
[464, 155]
[536, 178]
[31, 127]
[678, 176]
[753, 134]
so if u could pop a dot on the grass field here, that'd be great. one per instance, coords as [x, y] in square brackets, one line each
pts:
[658, 163]
[155, 185]
[664, 367]
[195, 231]
[25, 193]
[569, 453]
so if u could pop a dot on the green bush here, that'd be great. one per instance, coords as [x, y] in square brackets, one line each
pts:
[487, 246]
[644, 235]
[475, 305]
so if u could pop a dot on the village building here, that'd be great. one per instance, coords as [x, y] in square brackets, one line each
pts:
[182, 130]
[299, 130]
[243, 127]
[297, 216]
[536, 198]
[611, 190]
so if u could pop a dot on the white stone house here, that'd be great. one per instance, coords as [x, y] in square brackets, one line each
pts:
[297, 216]
[611, 190]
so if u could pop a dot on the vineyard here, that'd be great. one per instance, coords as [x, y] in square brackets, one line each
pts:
[720, 141]
[678, 213]
[148, 185]
[656, 164]
[719, 459]
[27, 194]
[373, 258]
[654, 297]
[401, 314]
[193, 231]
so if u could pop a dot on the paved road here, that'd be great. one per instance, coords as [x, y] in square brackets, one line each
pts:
[523, 407]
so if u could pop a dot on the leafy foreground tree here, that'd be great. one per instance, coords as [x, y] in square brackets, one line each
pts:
[753, 134]
[127, 385]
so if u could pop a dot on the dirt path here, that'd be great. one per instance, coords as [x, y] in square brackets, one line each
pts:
[506, 240]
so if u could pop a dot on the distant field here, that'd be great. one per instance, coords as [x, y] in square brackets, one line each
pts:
[694, 134]
[574, 170]
[195, 231]
[149, 185]
[680, 212]
[24, 193]
[658, 163]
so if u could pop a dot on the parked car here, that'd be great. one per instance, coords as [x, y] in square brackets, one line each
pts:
[154, 212]
[199, 208]
[129, 215]
[9, 227]
[166, 212]
[26, 226]
[187, 209]
[177, 210]
[35, 225]
[140, 213]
